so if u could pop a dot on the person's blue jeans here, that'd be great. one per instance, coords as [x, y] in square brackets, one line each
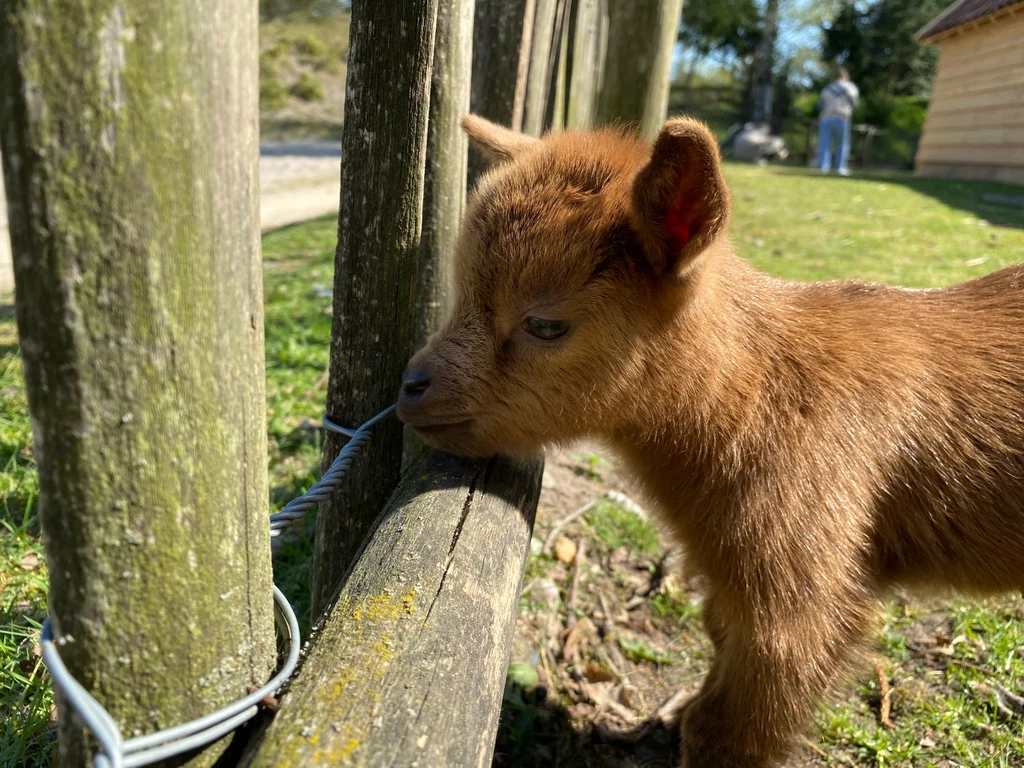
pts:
[832, 131]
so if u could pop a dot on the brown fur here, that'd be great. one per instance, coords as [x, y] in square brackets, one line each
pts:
[811, 444]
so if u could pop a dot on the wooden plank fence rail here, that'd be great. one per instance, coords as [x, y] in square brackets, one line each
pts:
[408, 667]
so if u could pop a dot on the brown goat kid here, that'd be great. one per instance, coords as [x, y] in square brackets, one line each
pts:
[810, 444]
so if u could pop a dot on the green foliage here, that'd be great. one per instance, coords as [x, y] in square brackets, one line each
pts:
[272, 9]
[716, 26]
[875, 42]
[616, 527]
[639, 650]
[522, 674]
[898, 113]
[307, 45]
[273, 95]
[594, 464]
[681, 611]
[307, 88]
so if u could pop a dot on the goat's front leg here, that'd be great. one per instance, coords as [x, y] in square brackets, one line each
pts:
[773, 666]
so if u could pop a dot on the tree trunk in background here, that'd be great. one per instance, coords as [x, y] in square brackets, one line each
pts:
[130, 144]
[637, 70]
[764, 64]
[383, 149]
[498, 32]
[541, 67]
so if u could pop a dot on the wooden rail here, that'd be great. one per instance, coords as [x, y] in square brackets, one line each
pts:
[408, 667]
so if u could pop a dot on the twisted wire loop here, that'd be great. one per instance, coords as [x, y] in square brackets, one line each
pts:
[117, 752]
[296, 508]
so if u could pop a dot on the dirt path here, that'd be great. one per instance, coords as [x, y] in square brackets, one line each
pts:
[298, 181]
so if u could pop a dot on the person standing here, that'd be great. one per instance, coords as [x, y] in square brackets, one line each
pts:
[836, 105]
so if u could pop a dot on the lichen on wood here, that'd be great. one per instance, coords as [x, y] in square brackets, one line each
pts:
[409, 663]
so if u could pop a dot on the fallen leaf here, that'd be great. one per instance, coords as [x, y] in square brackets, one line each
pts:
[30, 561]
[595, 673]
[581, 632]
[565, 549]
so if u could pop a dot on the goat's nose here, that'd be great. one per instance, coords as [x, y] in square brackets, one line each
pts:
[415, 382]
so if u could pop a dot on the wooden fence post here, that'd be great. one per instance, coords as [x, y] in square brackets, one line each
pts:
[541, 67]
[635, 86]
[130, 141]
[383, 148]
[498, 31]
[444, 193]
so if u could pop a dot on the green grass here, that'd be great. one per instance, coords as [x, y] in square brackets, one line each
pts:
[788, 221]
[614, 527]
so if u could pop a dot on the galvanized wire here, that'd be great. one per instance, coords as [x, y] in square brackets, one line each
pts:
[296, 508]
[114, 750]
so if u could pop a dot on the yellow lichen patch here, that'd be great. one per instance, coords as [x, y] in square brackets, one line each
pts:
[408, 601]
[382, 652]
[383, 607]
[337, 754]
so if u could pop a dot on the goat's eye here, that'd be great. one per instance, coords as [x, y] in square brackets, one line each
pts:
[546, 329]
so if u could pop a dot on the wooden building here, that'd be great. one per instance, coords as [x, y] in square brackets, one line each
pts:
[975, 124]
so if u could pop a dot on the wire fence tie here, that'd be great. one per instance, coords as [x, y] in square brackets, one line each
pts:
[117, 752]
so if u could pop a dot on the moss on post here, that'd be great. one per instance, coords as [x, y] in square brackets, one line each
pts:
[408, 666]
[391, 47]
[129, 136]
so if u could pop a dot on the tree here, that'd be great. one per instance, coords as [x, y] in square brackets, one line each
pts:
[634, 86]
[876, 44]
[129, 135]
[728, 27]
[379, 223]
[764, 64]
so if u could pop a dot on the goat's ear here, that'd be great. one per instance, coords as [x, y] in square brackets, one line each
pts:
[680, 200]
[496, 144]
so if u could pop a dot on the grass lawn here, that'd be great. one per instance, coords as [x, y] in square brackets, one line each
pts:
[945, 658]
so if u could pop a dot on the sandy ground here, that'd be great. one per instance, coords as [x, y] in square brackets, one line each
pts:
[298, 181]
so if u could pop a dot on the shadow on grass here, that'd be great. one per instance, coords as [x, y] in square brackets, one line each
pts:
[537, 732]
[999, 204]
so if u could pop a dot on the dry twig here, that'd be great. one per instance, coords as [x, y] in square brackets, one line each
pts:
[550, 540]
[581, 554]
[815, 748]
[885, 691]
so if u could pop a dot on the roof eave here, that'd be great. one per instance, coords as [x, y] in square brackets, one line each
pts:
[938, 37]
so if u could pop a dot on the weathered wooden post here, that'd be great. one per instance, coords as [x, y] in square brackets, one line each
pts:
[635, 86]
[391, 48]
[129, 135]
[498, 35]
[444, 190]
[588, 38]
[541, 66]
[407, 665]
